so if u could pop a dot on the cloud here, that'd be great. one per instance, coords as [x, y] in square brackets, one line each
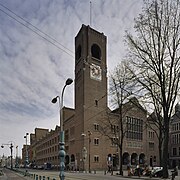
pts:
[34, 67]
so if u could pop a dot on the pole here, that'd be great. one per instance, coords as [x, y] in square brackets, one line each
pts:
[11, 156]
[16, 156]
[89, 133]
[62, 152]
[26, 157]
[11, 147]
[26, 152]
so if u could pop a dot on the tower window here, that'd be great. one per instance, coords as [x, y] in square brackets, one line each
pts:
[96, 51]
[96, 158]
[78, 52]
[96, 141]
[96, 127]
[96, 103]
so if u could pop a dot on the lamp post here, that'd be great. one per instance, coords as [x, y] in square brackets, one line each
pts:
[11, 148]
[62, 152]
[17, 156]
[26, 158]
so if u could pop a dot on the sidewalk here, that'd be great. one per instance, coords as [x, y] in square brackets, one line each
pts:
[9, 174]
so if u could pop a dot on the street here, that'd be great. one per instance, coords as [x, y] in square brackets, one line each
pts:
[99, 175]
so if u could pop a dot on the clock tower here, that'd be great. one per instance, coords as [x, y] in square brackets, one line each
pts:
[90, 82]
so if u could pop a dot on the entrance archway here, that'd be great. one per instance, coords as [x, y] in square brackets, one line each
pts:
[125, 158]
[72, 162]
[151, 161]
[142, 158]
[134, 159]
[67, 162]
[72, 158]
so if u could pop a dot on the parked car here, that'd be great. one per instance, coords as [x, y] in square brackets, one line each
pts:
[157, 172]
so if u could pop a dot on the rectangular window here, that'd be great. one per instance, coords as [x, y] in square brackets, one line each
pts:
[96, 158]
[134, 128]
[174, 151]
[96, 141]
[96, 127]
[151, 146]
[114, 141]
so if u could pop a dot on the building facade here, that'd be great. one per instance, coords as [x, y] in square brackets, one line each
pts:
[174, 143]
[86, 147]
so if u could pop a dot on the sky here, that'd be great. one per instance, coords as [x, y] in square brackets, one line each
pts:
[37, 56]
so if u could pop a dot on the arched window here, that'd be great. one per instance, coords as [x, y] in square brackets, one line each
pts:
[78, 52]
[96, 51]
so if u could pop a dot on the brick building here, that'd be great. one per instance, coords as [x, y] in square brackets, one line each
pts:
[174, 143]
[86, 147]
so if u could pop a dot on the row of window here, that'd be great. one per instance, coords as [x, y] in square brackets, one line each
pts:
[114, 128]
[132, 120]
[176, 127]
[48, 159]
[95, 51]
[134, 128]
[47, 151]
[175, 151]
[55, 158]
[151, 134]
[151, 146]
[134, 145]
[48, 143]
[134, 135]
[176, 138]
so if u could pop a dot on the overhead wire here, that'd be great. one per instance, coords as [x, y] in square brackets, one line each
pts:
[45, 36]
[37, 31]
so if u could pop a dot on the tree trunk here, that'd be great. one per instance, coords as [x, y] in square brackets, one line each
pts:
[120, 161]
[160, 147]
[165, 147]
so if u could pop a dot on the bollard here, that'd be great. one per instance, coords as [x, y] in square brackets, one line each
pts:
[105, 172]
[48, 178]
[94, 171]
[39, 177]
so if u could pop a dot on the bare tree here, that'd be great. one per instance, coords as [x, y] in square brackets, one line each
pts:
[155, 59]
[120, 90]
[154, 122]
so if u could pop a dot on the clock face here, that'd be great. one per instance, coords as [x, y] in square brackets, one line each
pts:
[95, 72]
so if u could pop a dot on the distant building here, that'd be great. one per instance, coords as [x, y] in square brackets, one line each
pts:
[174, 139]
[86, 147]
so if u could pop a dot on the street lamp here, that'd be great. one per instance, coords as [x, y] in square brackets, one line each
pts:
[17, 157]
[11, 148]
[26, 158]
[62, 152]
